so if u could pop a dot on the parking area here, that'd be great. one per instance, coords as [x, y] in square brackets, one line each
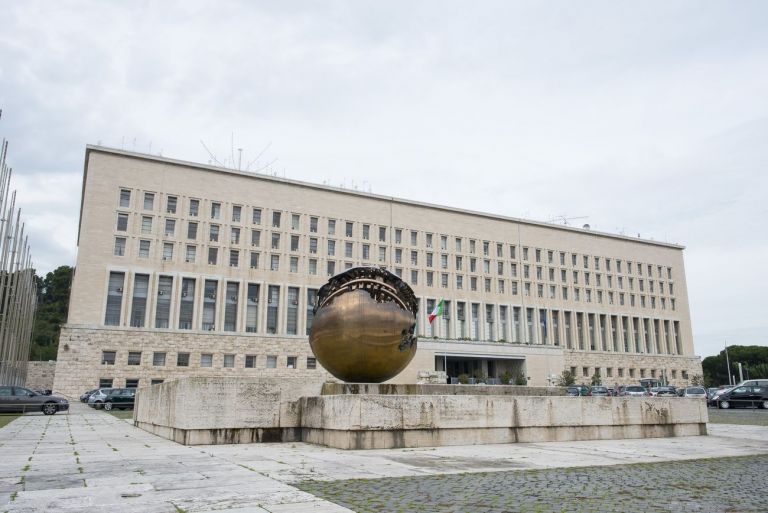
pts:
[741, 416]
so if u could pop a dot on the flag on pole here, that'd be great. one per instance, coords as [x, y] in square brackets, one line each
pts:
[437, 311]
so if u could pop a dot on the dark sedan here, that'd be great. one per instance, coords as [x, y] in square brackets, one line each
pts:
[120, 398]
[744, 397]
[22, 400]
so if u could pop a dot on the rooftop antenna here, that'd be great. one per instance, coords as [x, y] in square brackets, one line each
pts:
[210, 154]
[564, 219]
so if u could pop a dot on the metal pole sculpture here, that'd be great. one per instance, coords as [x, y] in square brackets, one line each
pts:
[18, 292]
[364, 322]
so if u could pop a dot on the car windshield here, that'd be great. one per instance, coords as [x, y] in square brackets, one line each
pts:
[635, 389]
[696, 391]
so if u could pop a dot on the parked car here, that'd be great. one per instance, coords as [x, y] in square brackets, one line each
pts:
[744, 397]
[754, 383]
[711, 392]
[84, 397]
[600, 391]
[120, 399]
[96, 400]
[695, 392]
[663, 391]
[22, 400]
[716, 396]
[634, 391]
[572, 391]
[584, 390]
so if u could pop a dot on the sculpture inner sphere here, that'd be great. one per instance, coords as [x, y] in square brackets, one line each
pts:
[363, 328]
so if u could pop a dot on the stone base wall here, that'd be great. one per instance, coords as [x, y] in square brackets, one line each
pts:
[238, 410]
[432, 389]
[40, 375]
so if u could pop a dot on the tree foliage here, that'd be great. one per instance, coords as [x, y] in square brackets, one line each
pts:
[566, 379]
[52, 308]
[754, 361]
[597, 380]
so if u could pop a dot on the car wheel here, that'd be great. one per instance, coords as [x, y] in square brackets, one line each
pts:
[764, 404]
[98, 405]
[724, 405]
[108, 406]
[49, 408]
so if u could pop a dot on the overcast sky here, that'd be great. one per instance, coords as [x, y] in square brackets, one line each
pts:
[644, 117]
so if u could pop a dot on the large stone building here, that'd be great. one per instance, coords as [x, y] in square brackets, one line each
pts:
[187, 269]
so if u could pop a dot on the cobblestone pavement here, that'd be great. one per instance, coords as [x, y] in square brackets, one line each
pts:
[683, 486]
[741, 416]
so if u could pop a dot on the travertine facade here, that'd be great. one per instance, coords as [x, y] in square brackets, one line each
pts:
[176, 257]
[40, 375]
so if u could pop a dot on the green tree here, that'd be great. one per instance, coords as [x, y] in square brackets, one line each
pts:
[754, 361]
[566, 379]
[52, 308]
[596, 378]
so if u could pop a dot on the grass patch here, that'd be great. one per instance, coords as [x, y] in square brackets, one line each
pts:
[122, 414]
[6, 419]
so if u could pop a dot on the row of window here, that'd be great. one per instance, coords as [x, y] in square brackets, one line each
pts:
[241, 313]
[539, 255]
[208, 360]
[631, 372]
[583, 331]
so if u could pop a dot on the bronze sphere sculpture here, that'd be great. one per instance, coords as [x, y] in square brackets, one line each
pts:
[363, 328]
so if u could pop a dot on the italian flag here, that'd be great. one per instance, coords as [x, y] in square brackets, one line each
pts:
[437, 311]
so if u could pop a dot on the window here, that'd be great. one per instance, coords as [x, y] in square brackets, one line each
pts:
[348, 250]
[170, 204]
[192, 230]
[294, 264]
[122, 222]
[186, 308]
[170, 227]
[132, 383]
[105, 382]
[167, 251]
[229, 360]
[143, 249]
[182, 360]
[256, 238]
[256, 216]
[230, 306]
[313, 266]
[273, 299]
[275, 240]
[366, 251]
[158, 359]
[331, 268]
[313, 225]
[139, 300]
[149, 200]
[311, 362]
[146, 224]
[382, 234]
[125, 198]
[276, 219]
[348, 229]
[108, 357]
[213, 254]
[215, 210]
[191, 254]
[398, 236]
[331, 247]
[294, 242]
[430, 278]
[295, 221]
[459, 282]
[214, 233]
[163, 303]
[236, 213]
[234, 258]
[194, 207]
[134, 358]
[119, 246]
[271, 362]
[234, 236]
[274, 262]
[250, 361]
[209, 305]
[206, 360]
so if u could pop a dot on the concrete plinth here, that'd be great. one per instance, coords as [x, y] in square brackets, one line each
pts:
[240, 410]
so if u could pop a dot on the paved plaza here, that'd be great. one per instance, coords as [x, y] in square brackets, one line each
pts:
[91, 461]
